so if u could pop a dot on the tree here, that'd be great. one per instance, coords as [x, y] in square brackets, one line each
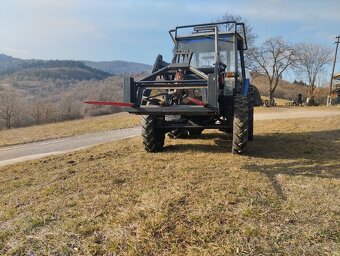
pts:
[37, 111]
[69, 107]
[272, 58]
[249, 30]
[312, 59]
[41, 111]
[49, 112]
[66, 107]
[10, 109]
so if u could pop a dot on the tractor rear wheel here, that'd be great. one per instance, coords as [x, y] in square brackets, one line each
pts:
[240, 124]
[153, 138]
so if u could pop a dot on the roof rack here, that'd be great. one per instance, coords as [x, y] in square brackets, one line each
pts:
[226, 26]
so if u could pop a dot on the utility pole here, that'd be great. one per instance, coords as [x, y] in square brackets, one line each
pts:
[329, 100]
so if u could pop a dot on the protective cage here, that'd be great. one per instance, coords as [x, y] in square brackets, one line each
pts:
[205, 79]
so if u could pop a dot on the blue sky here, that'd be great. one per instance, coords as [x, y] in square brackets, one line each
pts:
[137, 30]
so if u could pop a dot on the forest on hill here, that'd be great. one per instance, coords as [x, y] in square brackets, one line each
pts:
[43, 91]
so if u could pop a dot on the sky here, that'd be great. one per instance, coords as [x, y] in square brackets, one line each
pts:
[103, 30]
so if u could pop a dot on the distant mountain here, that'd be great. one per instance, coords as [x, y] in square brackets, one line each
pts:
[63, 72]
[48, 69]
[67, 69]
[9, 63]
[119, 67]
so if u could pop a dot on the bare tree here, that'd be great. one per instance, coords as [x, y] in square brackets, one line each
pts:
[249, 30]
[66, 106]
[69, 107]
[49, 112]
[272, 59]
[37, 111]
[312, 59]
[20, 113]
[10, 111]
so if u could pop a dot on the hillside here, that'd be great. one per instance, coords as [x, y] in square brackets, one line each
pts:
[44, 91]
[44, 69]
[288, 90]
[10, 65]
[119, 67]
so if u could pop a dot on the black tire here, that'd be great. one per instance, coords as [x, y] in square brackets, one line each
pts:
[251, 114]
[240, 124]
[153, 138]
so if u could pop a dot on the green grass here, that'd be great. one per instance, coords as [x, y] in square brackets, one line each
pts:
[195, 198]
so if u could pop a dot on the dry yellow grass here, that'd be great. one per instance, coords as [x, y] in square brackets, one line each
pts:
[195, 198]
[283, 107]
[69, 128]
[278, 101]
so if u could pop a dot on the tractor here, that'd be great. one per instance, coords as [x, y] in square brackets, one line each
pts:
[203, 87]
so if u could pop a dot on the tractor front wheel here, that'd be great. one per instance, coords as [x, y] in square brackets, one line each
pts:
[153, 137]
[240, 124]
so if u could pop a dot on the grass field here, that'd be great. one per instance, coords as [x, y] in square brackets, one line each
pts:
[66, 129]
[101, 123]
[280, 108]
[195, 198]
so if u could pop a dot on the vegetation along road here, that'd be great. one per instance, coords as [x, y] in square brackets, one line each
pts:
[23, 152]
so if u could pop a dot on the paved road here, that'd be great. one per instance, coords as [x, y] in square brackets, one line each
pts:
[23, 152]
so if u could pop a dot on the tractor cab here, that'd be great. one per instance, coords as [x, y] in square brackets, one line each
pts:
[214, 48]
[204, 54]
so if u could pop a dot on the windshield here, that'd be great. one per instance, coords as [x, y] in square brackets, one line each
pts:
[203, 50]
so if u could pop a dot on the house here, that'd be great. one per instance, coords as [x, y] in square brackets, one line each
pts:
[336, 89]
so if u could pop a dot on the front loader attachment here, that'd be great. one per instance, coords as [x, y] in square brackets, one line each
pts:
[139, 93]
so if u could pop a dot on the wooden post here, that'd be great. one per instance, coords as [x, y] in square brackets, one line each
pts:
[329, 100]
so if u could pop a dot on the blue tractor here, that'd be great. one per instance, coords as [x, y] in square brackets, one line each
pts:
[203, 87]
